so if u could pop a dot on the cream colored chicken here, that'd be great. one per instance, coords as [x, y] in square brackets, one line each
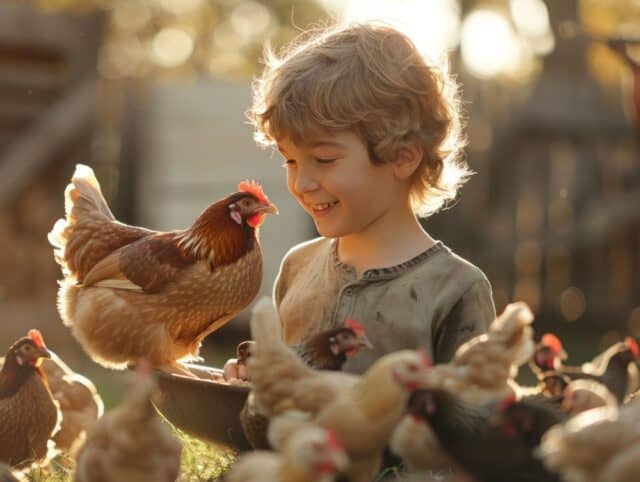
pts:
[309, 453]
[483, 368]
[363, 411]
[599, 445]
[79, 401]
[130, 443]
[583, 395]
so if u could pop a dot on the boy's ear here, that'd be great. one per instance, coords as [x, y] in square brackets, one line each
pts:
[407, 159]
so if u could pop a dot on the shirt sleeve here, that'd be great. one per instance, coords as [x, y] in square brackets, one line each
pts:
[281, 282]
[470, 316]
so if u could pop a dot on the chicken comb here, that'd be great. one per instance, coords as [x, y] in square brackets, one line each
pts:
[357, 328]
[633, 346]
[507, 402]
[426, 359]
[255, 189]
[333, 442]
[36, 337]
[552, 341]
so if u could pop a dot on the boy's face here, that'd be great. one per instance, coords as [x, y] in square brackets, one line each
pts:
[334, 180]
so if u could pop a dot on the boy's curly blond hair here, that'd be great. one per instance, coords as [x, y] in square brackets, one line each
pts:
[370, 79]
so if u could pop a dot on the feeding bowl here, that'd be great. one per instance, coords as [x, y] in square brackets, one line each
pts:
[203, 407]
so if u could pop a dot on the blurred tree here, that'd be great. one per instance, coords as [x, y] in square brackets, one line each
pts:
[224, 38]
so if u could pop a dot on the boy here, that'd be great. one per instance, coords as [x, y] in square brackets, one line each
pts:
[371, 139]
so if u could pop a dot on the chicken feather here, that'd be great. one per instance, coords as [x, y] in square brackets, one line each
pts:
[362, 411]
[129, 292]
[595, 445]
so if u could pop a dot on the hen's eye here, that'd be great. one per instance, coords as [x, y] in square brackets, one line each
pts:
[27, 348]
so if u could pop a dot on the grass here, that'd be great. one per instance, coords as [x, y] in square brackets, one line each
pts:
[200, 462]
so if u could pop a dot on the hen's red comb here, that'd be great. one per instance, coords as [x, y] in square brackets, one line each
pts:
[254, 188]
[633, 346]
[333, 442]
[507, 402]
[36, 337]
[357, 328]
[426, 359]
[552, 341]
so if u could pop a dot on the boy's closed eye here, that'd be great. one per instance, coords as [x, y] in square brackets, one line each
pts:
[319, 160]
[325, 160]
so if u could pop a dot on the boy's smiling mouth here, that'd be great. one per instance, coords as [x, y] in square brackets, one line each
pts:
[323, 207]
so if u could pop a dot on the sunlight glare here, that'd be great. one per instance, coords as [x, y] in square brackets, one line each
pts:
[433, 25]
[531, 18]
[489, 45]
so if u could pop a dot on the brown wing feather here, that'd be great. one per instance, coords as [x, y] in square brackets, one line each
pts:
[92, 242]
[147, 264]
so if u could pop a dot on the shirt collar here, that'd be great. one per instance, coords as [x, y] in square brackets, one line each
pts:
[387, 272]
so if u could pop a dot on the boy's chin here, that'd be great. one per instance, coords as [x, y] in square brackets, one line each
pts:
[328, 232]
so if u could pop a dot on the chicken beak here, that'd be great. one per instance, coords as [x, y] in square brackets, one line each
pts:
[44, 353]
[268, 209]
[364, 342]
[40, 355]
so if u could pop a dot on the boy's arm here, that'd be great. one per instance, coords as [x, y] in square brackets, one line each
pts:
[470, 316]
[281, 282]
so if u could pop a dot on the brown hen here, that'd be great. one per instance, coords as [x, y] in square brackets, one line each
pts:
[129, 292]
[28, 413]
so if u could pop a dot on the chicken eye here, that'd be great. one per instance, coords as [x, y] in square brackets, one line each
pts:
[27, 348]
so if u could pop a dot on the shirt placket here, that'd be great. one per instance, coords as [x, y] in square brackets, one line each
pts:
[346, 302]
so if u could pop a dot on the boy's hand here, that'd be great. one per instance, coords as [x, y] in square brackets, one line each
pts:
[233, 370]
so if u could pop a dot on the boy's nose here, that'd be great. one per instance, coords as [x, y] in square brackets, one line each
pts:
[305, 181]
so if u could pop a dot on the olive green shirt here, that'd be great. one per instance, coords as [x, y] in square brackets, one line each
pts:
[436, 300]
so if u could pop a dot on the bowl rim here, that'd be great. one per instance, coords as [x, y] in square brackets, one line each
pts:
[202, 381]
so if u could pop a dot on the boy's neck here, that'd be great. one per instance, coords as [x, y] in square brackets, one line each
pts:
[382, 248]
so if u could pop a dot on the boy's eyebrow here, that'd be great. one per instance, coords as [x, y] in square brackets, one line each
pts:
[325, 143]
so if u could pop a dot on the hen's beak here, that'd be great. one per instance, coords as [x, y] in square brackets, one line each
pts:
[40, 354]
[43, 352]
[364, 341]
[267, 209]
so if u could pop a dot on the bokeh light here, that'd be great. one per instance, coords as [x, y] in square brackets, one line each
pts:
[250, 19]
[489, 44]
[179, 7]
[531, 18]
[172, 47]
[572, 303]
